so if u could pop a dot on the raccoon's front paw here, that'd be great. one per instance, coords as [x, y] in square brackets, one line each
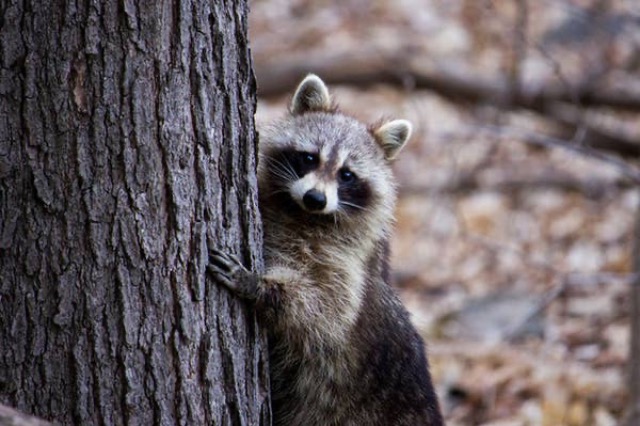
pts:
[227, 270]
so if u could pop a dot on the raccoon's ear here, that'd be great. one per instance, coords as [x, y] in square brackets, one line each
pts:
[311, 95]
[392, 136]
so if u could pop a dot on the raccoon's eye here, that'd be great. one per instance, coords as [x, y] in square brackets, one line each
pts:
[309, 159]
[346, 176]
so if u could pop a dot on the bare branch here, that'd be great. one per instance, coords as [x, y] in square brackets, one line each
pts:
[547, 141]
[468, 183]
[369, 66]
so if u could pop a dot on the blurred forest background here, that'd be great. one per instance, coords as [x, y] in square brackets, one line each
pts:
[518, 191]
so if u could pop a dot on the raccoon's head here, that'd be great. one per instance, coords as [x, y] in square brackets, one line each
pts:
[323, 163]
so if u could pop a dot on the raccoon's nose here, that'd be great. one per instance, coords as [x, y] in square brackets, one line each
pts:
[314, 200]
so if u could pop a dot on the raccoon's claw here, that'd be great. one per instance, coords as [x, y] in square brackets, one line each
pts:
[224, 267]
[224, 261]
[227, 270]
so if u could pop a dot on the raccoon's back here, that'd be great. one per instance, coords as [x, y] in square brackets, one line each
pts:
[394, 378]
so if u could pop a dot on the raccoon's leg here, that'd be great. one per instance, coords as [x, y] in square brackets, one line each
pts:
[226, 269]
[268, 290]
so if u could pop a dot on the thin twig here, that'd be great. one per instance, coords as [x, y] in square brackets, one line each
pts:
[543, 302]
[519, 45]
[469, 182]
[562, 281]
[550, 142]
[633, 406]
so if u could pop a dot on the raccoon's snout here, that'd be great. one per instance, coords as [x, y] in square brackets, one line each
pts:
[314, 200]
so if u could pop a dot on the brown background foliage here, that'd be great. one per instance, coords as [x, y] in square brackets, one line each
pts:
[513, 243]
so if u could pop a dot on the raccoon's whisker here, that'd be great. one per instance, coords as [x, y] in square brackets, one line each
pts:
[277, 191]
[285, 166]
[279, 167]
[290, 168]
[355, 206]
[281, 174]
[341, 214]
[282, 171]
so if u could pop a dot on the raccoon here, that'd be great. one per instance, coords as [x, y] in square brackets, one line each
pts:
[342, 348]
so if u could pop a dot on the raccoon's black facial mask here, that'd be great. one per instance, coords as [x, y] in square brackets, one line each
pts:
[294, 164]
[353, 193]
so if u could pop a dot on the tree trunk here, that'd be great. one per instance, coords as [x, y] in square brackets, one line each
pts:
[127, 147]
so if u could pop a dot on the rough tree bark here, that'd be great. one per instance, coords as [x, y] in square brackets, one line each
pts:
[127, 147]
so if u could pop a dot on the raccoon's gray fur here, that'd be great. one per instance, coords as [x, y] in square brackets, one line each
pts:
[342, 348]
